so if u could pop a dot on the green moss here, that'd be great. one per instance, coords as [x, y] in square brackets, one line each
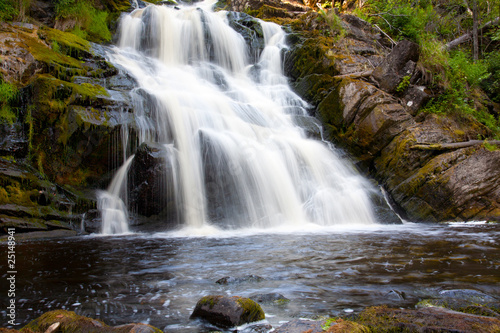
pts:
[211, 301]
[252, 310]
[491, 147]
[68, 43]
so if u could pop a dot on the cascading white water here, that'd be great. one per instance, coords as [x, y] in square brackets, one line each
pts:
[241, 160]
[113, 209]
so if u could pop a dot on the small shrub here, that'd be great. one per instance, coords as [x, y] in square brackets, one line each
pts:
[334, 23]
[491, 85]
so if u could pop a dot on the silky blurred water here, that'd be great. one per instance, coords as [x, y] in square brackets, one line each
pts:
[158, 278]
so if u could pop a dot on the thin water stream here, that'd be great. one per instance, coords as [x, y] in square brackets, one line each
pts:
[158, 278]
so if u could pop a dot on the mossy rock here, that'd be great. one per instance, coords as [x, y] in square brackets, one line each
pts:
[70, 322]
[383, 319]
[225, 312]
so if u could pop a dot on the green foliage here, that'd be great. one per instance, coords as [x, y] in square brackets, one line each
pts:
[462, 68]
[334, 23]
[8, 10]
[403, 19]
[8, 93]
[403, 85]
[463, 77]
[328, 323]
[90, 23]
[491, 85]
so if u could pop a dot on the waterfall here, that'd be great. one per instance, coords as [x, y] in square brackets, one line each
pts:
[111, 205]
[240, 159]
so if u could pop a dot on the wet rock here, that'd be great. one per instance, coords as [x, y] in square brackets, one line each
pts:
[68, 321]
[225, 312]
[300, 326]
[12, 140]
[236, 280]
[251, 30]
[400, 63]
[262, 328]
[465, 300]
[425, 320]
[152, 179]
[311, 126]
[30, 203]
[271, 298]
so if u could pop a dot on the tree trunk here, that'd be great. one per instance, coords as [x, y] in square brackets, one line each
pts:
[475, 37]
[462, 39]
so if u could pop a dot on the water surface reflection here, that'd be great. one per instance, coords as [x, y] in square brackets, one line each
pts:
[158, 278]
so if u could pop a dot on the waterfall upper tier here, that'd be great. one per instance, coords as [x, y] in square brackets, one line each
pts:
[227, 118]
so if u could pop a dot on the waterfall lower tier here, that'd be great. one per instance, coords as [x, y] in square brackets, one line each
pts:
[111, 203]
[238, 160]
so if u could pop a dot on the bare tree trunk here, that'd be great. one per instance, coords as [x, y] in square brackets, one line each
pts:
[475, 37]
[462, 39]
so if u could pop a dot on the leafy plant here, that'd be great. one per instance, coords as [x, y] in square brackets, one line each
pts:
[403, 85]
[8, 92]
[403, 19]
[491, 84]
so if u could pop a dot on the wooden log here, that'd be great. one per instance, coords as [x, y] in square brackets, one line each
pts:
[465, 37]
[453, 145]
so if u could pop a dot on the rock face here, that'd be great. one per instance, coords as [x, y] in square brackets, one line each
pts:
[367, 104]
[71, 108]
[226, 312]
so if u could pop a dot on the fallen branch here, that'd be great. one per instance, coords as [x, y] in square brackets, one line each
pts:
[356, 75]
[386, 35]
[453, 145]
[462, 39]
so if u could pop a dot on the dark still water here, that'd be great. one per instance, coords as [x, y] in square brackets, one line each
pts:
[158, 278]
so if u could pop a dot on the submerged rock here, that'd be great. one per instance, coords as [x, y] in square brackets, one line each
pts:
[225, 312]
[235, 280]
[271, 298]
[300, 326]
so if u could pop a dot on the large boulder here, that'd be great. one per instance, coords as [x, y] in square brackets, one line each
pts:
[400, 63]
[225, 312]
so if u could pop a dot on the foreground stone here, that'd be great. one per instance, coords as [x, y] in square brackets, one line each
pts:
[431, 319]
[68, 321]
[225, 312]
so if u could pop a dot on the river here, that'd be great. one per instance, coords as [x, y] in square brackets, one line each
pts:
[324, 271]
